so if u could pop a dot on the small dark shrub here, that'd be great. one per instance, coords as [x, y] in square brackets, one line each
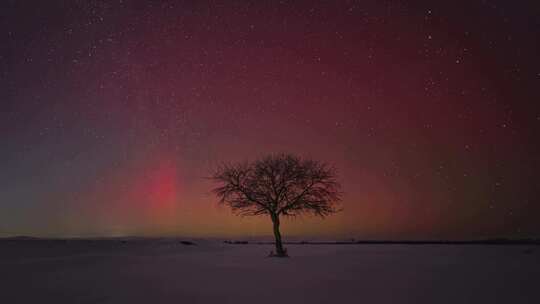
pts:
[241, 242]
[187, 243]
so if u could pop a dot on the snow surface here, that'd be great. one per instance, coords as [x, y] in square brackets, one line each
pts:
[165, 271]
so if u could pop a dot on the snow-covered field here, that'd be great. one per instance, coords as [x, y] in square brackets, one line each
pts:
[165, 271]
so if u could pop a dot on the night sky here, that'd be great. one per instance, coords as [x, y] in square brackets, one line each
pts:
[114, 112]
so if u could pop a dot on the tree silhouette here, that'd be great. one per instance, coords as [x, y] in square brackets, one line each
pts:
[278, 185]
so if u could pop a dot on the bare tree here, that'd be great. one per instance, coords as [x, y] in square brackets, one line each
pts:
[278, 185]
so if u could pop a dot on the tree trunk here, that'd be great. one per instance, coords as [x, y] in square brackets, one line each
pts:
[280, 251]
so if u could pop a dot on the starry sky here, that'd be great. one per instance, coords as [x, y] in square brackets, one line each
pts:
[113, 113]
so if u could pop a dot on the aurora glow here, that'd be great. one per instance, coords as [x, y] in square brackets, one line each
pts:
[114, 112]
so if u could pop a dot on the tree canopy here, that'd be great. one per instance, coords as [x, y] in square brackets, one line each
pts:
[278, 185]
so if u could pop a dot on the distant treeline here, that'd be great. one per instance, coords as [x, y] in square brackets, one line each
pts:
[497, 241]
[403, 242]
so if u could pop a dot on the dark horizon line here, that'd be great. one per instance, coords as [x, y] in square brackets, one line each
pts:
[243, 241]
[419, 242]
